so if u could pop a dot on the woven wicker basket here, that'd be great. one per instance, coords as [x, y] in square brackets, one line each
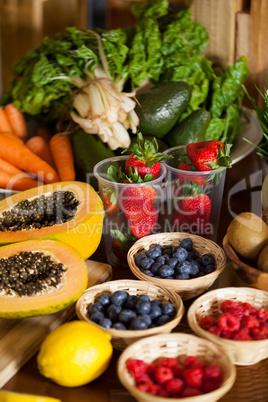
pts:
[174, 345]
[240, 352]
[189, 288]
[120, 338]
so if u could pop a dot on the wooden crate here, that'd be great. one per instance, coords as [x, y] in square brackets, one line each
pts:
[24, 23]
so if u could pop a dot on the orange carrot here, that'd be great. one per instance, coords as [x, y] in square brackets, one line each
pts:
[24, 159]
[9, 168]
[40, 147]
[44, 132]
[62, 152]
[17, 182]
[12, 136]
[4, 123]
[16, 121]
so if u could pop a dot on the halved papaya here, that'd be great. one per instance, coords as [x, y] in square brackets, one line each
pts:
[71, 212]
[8, 396]
[39, 277]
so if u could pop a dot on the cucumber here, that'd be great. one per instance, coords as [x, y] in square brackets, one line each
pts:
[159, 108]
[192, 129]
[88, 151]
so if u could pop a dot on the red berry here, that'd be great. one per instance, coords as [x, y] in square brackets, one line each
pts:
[192, 362]
[213, 372]
[242, 335]
[174, 386]
[227, 306]
[190, 391]
[260, 333]
[227, 334]
[144, 379]
[143, 387]
[177, 371]
[209, 386]
[137, 367]
[229, 322]
[163, 375]
[215, 330]
[167, 362]
[154, 389]
[193, 377]
[207, 322]
[250, 322]
[248, 309]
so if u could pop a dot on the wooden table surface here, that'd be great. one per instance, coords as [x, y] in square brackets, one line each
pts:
[242, 193]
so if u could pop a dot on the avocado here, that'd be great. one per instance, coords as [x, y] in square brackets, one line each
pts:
[88, 151]
[160, 107]
[192, 129]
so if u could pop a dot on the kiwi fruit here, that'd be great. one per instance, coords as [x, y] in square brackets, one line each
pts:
[248, 235]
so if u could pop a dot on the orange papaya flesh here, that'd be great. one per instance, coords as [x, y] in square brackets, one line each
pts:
[50, 299]
[82, 231]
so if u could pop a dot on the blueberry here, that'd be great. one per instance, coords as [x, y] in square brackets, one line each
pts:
[131, 302]
[209, 269]
[156, 302]
[172, 262]
[119, 297]
[163, 319]
[181, 254]
[106, 323]
[113, 311]
[126, 316]
[175, 249]
[148, 272]
[147, 318]
[154, 252]
[104, 299]
[143, 307]
[155, 312]
[169, 309]
[187, 244]
[207, 259]
[168, 249]
[94, 308]
[184, 267]
[155, 268]
[119, 325]
[147, 263]
[167, 256]
[195, 268]
[159, 247]
[182, 276]
[193, 255]
[138, 323]
[165, 271]
[161, 260]
[97, 317]
[144, 298]
[139, 258]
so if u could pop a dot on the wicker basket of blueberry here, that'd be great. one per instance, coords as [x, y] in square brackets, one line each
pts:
[130, 310]
[236, 319]
[185, 263]
[177, 367]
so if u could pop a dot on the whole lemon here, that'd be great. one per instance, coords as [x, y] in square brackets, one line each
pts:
[8, 396]
[75, 354]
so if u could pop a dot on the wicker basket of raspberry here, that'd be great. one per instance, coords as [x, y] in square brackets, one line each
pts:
[235, 319]
[178, 366]
[185, 263]
[130, 310]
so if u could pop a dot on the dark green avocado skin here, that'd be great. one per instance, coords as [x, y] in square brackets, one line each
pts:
[159, 108]
[88, 151]
[192, 129]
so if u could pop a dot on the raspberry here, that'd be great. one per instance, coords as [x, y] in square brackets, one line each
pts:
[143, 387]
[177, 371]
[207, 322]
[227, 306]
[137, 367]
[150, 370]
[213, 372]
[242, 335]
[190, 391]
[260, 333]
[229, 322]
[193, 377]
[163, 375]
[209, 385]
[163, 393]
[250, 322]
[154, 389]
[192, 362]
[262, 314]
[143, 379]
[226, 334]
[167, 362]
[248, 309]
[174, 386]
[215, 330]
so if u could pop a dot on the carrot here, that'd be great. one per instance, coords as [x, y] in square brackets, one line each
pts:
[12, 136]
[24, 159]
[18, 182]
[40, 147]
[62, 152]
[4, 123]
[44, 132]
[16, 121]
[9, 168]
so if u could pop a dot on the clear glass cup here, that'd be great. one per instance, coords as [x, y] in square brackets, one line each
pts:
[193, 198]
[131, 209]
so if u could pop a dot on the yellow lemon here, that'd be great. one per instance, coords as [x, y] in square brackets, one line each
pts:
[7, 396]
[75, 354]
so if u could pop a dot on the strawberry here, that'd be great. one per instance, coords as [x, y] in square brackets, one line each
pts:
[110, 201]
[209, 155]
[145, 224]
[145, 158]
[121, 243]
[191, 178]
[137, 201]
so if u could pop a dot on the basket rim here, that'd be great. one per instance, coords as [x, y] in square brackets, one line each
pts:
[225, 386]
[192, 321]
[116, 333]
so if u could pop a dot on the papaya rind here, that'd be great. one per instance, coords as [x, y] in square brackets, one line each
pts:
[8, 396]
[83, 232]
[76, 281]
